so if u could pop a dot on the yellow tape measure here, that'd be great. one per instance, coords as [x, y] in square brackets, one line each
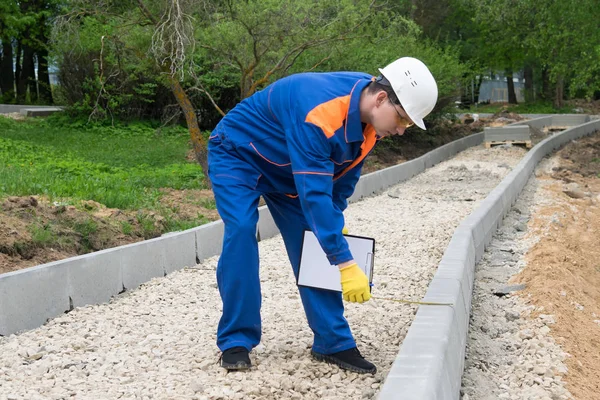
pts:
[422, 303]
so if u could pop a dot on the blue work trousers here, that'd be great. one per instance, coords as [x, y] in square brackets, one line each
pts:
[235, 184]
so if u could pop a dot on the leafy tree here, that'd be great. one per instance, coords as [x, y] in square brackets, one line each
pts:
[130, 37]
[9, 14]
[261, 40]
[26, 23]
[566, 40]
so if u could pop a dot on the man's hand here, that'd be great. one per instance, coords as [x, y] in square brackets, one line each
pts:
[355, 284]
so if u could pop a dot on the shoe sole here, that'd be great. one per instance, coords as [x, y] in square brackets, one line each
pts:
[341, 364]
[239, 366]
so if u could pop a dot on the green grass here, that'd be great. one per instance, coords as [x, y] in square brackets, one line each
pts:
[174, 224]
[149, 228]
[41, 235]
[209, 204]
[126, 228]
[538, 107]
[120, 167]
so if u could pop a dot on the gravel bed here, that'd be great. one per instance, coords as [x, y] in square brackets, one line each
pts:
[509, 354]
[159, 341]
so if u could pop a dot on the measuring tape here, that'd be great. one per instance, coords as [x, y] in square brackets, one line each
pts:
[422, 303]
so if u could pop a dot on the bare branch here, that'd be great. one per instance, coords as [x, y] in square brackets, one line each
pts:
[170, 112]
[319, 63]
[173, 38]
[200, 88]
[102, 90]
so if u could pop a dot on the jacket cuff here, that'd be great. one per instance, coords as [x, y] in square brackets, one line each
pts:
[340, 257]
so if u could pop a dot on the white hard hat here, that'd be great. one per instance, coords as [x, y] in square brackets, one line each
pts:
[414, 86]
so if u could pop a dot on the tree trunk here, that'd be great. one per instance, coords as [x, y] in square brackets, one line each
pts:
[559, 93]
[44, 88]
[44, 78]
[192, 122]
[21, 89]
[28, 74]
[528, 75]
[512, 96]
[545, 94]
[198, 142]
[7, 77]
[478, 83]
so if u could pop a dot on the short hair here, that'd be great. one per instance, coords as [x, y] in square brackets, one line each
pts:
[379, 84]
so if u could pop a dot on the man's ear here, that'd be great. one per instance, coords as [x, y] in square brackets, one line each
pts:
[381, 97]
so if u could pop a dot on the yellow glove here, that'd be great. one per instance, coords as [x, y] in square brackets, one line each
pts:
[355, 284]
[345, 230]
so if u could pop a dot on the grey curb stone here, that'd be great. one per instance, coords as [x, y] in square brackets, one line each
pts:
[140, 263]
[94, 278]
[39, 112]
[515, 132]
[266, 224]
[209, 240]
[20, 310]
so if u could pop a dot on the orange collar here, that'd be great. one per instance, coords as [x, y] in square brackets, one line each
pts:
[370, 138]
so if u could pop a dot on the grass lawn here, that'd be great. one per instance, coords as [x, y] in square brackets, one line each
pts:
[120, 167]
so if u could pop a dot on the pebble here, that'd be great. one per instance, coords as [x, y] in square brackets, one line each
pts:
[512, 316]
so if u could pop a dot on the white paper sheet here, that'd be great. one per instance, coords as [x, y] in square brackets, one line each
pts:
[315, 270]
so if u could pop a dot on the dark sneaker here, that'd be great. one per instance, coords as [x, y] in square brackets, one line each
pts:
[235, 358]
[350, 360]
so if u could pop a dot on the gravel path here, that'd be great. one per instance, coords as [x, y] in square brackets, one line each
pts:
[159, 341]
[509, 354]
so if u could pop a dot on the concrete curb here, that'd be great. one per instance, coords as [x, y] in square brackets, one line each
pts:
[19, 108]
[431, 360]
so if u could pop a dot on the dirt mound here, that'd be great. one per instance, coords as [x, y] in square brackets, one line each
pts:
[563, 274]
[580, 157]
[505, 114]
[35, 231]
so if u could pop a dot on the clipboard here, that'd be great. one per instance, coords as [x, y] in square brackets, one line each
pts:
[315, 270]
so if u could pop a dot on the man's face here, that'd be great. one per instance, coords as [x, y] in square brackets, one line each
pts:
[388, 118]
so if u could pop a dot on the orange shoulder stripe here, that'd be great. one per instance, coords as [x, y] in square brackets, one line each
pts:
[330, 116]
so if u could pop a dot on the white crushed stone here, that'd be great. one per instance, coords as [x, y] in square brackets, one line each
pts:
[158, 341]
[510, 355]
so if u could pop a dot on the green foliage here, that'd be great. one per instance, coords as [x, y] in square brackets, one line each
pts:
[384, 38]
[538, 107]
[86, 229]
[264, 39]
[559, 38]
[108, 70]
[105, 69]
[120, 167]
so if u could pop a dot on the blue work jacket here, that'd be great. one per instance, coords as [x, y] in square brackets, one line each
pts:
[304, 137]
